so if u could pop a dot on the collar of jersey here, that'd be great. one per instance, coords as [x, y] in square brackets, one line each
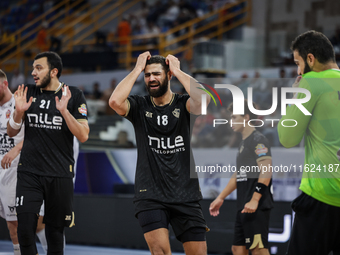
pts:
[172, 99]
[61, 84]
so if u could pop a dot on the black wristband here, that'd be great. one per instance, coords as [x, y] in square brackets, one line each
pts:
[260, 188]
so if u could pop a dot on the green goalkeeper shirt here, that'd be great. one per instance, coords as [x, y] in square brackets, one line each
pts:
[321, 176]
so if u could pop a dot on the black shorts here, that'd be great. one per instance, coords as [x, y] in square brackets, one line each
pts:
[182, 217]
[316, 227]
[251, 229]
[57, 193]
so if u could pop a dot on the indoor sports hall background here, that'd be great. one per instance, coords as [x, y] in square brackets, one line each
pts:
[241, 42]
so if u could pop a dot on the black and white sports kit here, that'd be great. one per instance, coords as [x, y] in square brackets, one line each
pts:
[251, 229]
[164, 162]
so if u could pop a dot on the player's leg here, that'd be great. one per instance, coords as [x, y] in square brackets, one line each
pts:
[239, 246]
[58, 212]
[41, 230]
[12, 228]
[190, 227]
[28, 203]
[259, 251]
[308, 237]
[239, 250]
[7, 204]
[194, 241]
[154, 224]
[256, 231]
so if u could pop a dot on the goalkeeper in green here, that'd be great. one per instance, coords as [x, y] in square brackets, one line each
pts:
[316, 228]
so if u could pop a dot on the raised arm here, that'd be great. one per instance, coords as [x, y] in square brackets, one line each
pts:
[21, 106]
[118, 99]
[79, 129]
[190, 85]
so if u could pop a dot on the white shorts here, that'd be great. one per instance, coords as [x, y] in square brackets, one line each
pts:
[8, 184]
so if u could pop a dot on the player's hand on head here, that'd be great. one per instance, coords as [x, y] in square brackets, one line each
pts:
[215, 206]
[21, 104]
[173, 63]
[61, 103]
[141, 60]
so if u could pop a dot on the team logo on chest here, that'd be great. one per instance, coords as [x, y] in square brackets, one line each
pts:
[176, 112]
[8, 113]
[148, 114]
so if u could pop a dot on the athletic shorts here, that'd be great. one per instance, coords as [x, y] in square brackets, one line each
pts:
[8, 183]
[316, 227]
[251, 229]
[182, 217]
[57, 194]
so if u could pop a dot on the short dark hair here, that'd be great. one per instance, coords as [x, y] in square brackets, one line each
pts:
[246, 109]
[53, 60]
[156, 59]
[3, 75]
[315, 43]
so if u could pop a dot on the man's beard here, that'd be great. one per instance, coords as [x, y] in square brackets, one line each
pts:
[307, 68]
[163, 88]
[45, 81]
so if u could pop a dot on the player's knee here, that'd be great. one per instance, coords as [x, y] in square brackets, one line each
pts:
[259, 251]
[238, 250]
[55, 239]
[27, 223]
[158, 250]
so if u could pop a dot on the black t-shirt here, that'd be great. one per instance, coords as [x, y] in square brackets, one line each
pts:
[164, 155]
[254, 148]
[48, 142]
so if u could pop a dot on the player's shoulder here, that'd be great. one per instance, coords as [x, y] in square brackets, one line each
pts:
[74, 89]
[258, 137]
[329, 73]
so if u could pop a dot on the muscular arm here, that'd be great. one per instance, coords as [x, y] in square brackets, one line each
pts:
[190, 85]
[118, 98]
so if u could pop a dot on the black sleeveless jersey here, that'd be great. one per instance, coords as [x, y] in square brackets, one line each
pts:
[48, 143]
[165, 159]
[250, 151]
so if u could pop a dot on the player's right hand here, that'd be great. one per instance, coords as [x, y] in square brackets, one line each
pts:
[214, 207]
[21, 104]
[141, 61]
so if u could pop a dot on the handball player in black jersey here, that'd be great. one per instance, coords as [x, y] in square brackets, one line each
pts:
[53, 113]
[254, 188]
[164, 192]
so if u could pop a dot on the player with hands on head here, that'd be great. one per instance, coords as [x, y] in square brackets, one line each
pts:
[254, 188]
[53, 113]
[164, 192]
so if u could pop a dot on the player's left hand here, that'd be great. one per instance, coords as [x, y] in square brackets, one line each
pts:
[62, 103]
[250, 207]
[173, 63]
[8, 158]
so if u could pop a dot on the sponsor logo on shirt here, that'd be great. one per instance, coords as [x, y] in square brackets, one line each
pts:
[11, 208]
[8, 113]
[261, 150]
[68, 217]
[176, 112]
[83, 110]
[148, 114]
[44, 121]
[165, 145]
